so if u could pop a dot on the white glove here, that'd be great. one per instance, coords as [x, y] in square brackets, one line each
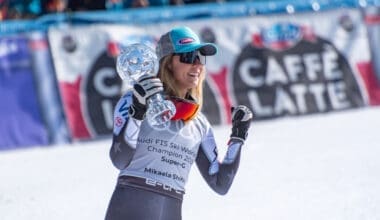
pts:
[145, 87]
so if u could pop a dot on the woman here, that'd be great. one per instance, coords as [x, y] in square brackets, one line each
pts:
[154, 164]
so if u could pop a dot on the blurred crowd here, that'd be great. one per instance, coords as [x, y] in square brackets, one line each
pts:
[29, 9]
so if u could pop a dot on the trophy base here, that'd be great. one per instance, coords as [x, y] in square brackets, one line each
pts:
[159, 113]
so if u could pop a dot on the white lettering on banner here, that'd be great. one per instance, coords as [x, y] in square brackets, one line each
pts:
[299, 90]
[257, 106]
[294, 82]
[314, 66]
[244, 69]
[293, 65]
[317, 90]
[283, 103]
[337, 95]
[100, 85]
[107, 91]
[107, 109]
[331, 69]
[275, 73]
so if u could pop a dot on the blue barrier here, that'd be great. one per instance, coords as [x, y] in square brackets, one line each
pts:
[185, 12]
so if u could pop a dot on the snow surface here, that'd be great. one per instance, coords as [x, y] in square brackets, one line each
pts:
[319, 167]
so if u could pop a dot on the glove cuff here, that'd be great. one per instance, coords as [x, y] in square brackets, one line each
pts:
[137, 111]
[236, 139]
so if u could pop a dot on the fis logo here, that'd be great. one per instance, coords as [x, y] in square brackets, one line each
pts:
[282, 36]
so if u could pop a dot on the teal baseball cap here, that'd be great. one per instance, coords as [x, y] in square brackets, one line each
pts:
[182, 40]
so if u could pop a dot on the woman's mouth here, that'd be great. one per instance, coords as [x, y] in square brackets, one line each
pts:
[194, 74]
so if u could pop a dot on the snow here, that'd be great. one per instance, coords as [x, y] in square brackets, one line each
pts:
[316, 167]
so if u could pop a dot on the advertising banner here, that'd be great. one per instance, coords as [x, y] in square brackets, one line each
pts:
[21, 123]
[285, 65]
[372, 21]
[47, 88]
[87, 80]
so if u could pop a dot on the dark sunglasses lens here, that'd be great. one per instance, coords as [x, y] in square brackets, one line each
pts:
[187, 57]
[191, 57]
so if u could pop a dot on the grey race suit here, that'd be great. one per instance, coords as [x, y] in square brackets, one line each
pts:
[154, 164]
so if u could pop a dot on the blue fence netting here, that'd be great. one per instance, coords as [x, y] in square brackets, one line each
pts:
[157, 14]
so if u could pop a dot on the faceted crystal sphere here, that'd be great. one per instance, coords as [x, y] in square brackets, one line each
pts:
[136, 60]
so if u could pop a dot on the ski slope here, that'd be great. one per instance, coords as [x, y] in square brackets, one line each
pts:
[320, 167]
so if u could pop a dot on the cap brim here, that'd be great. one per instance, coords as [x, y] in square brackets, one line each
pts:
[208, 49]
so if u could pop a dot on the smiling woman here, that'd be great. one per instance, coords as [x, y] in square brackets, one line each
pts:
[154, 169]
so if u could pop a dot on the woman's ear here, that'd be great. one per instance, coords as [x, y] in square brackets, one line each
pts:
[170, 66]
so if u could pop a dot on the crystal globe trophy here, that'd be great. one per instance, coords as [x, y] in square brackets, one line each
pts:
[136, 61]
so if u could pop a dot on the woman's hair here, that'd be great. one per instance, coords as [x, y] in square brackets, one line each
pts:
[165, 73]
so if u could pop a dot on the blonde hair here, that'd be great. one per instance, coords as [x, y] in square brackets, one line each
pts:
[165, 73]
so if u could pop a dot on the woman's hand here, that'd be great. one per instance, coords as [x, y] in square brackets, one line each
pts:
[145, 87]
[241, 121]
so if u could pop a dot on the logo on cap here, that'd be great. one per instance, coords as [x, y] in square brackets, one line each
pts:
[186, 40]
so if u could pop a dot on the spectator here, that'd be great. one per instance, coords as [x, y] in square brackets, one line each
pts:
[3, 9]
[176, 2]
[147, 3]
[115, 4]
[84, 5]
[144, 3]
[18, 9]
[139, 4]
[53, 6]
[202, 1]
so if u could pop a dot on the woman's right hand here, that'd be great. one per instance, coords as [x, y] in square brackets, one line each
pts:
[145, 87]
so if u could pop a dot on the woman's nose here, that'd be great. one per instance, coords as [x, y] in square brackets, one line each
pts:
[197, 61]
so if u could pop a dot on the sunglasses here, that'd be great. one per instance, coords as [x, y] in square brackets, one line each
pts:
[191, 57]
[185, 109]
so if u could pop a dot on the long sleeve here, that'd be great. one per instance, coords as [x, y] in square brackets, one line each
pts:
[218, 175]
[125, 133]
